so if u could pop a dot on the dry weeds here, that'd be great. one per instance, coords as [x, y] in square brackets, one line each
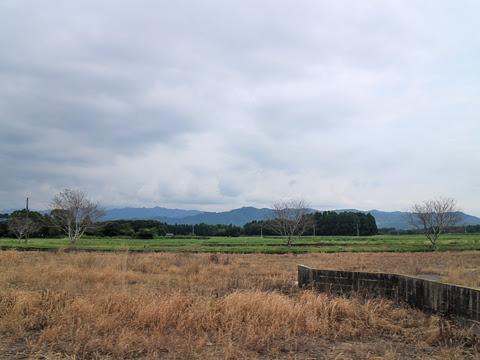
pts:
[215, 306]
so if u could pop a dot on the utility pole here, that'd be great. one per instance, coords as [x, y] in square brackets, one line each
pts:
[261, 230]
[313, 230]
[193, 229]
[358, 231]
[26, 223]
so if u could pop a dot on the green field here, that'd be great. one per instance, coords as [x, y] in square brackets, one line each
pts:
[270, 244]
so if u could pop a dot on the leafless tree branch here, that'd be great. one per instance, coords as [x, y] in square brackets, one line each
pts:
[289, 219]
[74, 213]
[19, 227]
[432, 217]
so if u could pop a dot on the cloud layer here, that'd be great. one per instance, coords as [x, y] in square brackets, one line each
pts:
[212, 105]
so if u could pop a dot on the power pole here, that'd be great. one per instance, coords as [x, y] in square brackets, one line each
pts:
[358, 232]
[26, 223]
[261, 230]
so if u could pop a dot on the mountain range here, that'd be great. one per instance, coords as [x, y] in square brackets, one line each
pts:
[239, 217]
[236, 217]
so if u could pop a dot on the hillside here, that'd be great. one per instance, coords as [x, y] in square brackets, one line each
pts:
[143, 213]
[239, 217]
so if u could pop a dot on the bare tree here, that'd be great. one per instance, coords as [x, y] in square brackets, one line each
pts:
[289, 219]
[74, 213]
[20, 226]
[431, 217]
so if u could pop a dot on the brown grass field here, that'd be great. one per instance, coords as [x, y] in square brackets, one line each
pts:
[78, 305]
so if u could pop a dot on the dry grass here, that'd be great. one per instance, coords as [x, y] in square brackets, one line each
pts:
[459, 268]
[215, 306]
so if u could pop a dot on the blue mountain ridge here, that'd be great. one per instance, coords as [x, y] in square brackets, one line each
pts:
[130, 213]
[241, 216]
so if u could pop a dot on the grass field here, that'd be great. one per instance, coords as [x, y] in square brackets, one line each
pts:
[271, 244]
[170, 305]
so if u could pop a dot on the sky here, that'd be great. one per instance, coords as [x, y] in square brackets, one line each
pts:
[214, 105]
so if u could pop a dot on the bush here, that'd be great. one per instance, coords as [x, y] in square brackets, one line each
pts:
[146, 234]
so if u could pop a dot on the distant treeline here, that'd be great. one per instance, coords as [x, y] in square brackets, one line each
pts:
[327, 223]
[347, 223]
[39, 225]
[465, 229]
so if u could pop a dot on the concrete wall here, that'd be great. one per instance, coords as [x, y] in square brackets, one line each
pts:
[460, 303]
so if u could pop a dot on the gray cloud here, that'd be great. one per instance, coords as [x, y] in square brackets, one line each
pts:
[214, 105]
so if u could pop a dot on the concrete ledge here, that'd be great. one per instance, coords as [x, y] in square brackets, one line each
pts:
[460, 303]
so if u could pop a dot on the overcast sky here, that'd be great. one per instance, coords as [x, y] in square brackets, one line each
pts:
[213, 105]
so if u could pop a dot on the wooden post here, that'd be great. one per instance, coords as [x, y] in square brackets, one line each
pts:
[26, 224]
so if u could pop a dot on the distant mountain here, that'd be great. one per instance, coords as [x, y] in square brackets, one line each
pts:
[130, 213]
[471, 220]
[384, 219]
[239, 217]
[236, 217]
[397, 219]
[7, 211]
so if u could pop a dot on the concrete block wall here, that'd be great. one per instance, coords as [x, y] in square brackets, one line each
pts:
[460, 303]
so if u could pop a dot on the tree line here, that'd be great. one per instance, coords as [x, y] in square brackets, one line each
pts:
[74, 214]
[326, 223]
[15, 225]
[465, 229]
